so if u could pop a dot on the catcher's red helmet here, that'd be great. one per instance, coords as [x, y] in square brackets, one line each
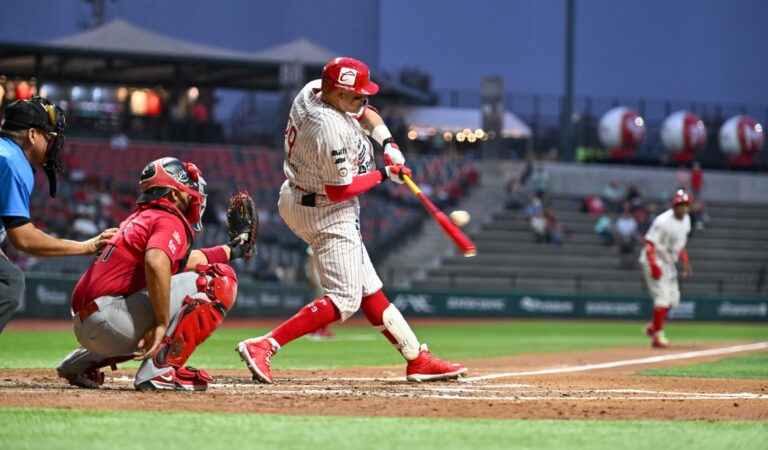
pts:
[349, 74]
[164, 174]
[681, 196]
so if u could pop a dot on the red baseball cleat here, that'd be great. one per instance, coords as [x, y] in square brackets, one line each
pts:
[257, 354]
[660, 341]
[649, 330]
[428, 368]
[89, 380]
[181, 379]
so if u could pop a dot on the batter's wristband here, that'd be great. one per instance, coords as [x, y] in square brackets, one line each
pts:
[389, 140]
[215, 254]
[384, 176]
[380, 134]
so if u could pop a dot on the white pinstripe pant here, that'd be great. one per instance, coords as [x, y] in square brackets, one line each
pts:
[333, 232]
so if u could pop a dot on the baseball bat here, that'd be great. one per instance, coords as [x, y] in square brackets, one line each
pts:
[467, 247]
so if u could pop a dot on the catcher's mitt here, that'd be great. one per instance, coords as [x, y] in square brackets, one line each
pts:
[243, 223]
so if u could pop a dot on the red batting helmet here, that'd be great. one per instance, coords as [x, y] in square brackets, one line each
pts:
[681, 196]
[349, 74]
[164, 174]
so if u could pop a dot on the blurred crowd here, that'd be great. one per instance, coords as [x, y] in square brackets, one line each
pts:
[624, 214]
[97, 194]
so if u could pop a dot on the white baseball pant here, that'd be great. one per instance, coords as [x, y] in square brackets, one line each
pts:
[333, 232]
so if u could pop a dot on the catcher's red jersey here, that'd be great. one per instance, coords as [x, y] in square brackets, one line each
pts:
[119, 270]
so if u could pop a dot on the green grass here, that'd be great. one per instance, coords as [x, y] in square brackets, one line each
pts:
[67, 429]
[750, 366]
[45, 349]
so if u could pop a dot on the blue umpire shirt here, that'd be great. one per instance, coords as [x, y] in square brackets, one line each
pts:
[16, 182]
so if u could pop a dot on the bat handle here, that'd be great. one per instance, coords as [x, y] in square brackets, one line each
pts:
[416, 190]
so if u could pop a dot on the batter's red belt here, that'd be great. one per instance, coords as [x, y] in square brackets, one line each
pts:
[87, 310]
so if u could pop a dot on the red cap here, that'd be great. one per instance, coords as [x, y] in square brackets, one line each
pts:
[681, 196]
[349, 74]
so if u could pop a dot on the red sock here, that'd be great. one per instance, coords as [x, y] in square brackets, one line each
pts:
[319, 313]
[373, 307]
[659, 314]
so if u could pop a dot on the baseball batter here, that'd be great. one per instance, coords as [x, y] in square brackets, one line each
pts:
[328, 162]
[148, 295]
[664, 246]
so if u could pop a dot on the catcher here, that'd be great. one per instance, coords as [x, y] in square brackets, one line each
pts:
[148, 295]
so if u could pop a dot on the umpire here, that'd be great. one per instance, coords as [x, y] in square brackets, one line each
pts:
[32, 132]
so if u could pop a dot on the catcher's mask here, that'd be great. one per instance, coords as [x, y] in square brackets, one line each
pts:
[39, 113]
[164, 174]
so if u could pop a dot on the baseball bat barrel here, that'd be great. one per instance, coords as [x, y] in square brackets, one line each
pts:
[465, 245]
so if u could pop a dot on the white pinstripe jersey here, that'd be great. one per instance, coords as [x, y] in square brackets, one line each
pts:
[322, 144]
[669, 235]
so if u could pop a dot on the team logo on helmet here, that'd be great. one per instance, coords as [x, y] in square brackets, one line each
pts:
[347, 76]
[681, 196]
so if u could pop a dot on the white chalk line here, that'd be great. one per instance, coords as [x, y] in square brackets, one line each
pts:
[506, 392]
[627, 362]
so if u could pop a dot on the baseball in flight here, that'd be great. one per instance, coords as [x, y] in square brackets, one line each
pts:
[459, 218]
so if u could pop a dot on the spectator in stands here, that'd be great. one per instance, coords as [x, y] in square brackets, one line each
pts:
[698, 214]
[525, 176]
[612, 196]
[555, 231]
[512, 191]
[540, 180]
[697, 180]
[263, 270]
[634, 198]
[594, 206]
[539, 226]
[32, 132]
[604, 229]
[84, 225]
[534, 207]
[682, 177]
[626, 230]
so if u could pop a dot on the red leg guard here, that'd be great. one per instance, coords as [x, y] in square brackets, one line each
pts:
[659, 315]
[199, 317]
[373, 307]
[319, 313]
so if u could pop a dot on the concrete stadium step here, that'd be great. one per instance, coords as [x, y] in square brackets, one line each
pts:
[737, 211]
[613, 261]
[717, 238]
[737, 223]
[574, 286]
[631, 273]
[527, 247]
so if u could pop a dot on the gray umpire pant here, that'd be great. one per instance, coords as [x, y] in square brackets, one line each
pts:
[11, 290]
[116, 328]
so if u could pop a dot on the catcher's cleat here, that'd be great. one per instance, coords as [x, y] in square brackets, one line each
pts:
[659, 340]
[92, 379]
[257, 354]
[428, 368]
[181, 379]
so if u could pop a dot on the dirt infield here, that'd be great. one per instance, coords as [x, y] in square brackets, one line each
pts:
[575, 385]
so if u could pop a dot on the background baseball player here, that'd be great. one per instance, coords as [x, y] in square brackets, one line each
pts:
[328, 162]
[32, 132]
[664, 246]
[148, 295]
